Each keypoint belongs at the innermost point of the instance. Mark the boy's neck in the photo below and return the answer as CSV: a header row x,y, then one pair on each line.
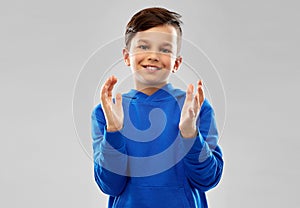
x,y
149,90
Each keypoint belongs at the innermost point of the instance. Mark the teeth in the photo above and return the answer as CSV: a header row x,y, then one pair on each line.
x,y
152,68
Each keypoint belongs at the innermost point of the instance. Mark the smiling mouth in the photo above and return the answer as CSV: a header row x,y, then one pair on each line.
x,y
151,68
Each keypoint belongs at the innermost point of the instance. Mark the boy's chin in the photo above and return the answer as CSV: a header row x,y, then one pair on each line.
x,y
154,84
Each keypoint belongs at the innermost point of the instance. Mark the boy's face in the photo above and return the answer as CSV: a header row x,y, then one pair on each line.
x,y
152,56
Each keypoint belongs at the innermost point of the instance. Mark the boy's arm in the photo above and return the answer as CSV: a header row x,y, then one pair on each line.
x,y
204,163
110,160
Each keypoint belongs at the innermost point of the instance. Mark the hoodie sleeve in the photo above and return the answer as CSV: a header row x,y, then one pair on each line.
x,y
203,162
110,159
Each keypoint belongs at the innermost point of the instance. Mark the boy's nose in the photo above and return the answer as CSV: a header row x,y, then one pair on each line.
x,y
153,56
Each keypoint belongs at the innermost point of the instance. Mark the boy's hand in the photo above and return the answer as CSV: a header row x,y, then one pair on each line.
x,y
113,112
190,111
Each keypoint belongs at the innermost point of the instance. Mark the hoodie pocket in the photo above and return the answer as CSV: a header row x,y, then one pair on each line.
x,y
152,197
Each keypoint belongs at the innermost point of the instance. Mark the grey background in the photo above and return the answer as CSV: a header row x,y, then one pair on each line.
x,y
44,44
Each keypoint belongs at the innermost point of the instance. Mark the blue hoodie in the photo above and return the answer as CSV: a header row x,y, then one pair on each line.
x,y
148,163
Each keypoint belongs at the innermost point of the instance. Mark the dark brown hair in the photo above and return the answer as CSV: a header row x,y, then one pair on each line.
x,y
151,17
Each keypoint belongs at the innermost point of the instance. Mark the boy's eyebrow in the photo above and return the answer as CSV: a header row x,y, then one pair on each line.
x,y
167,44
148,42
142,40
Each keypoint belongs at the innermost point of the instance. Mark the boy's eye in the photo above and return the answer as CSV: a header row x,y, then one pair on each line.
x,y
144,47
165,50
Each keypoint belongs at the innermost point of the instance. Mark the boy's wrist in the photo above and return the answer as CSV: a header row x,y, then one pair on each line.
x,y
189,134
113,128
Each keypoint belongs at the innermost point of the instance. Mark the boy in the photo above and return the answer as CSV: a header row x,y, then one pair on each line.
x,y
155,146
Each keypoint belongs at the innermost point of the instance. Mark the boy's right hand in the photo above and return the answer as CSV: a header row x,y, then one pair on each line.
x,y
113,112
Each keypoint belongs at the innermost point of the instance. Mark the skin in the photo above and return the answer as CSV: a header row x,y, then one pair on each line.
x,y
152,56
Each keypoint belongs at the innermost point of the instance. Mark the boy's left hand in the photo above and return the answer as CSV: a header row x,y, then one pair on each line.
x,y
190,111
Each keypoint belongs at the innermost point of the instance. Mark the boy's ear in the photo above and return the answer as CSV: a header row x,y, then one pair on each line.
x,y
177,64
126,56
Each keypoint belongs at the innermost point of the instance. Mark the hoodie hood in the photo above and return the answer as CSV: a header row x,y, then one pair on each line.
x,y
164,93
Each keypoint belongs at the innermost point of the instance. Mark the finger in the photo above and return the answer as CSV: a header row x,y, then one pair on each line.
x,y
118,100
189,93
111,83
106,91
200,82
104,88
103,92
107,83
200,92
196,103
108,87
200,87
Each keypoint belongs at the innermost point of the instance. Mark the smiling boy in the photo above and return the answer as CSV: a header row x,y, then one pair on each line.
x,y
155,146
